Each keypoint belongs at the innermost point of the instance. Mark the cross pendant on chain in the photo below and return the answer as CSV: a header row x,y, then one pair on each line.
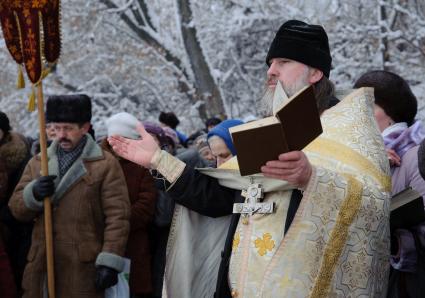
x,y
253,197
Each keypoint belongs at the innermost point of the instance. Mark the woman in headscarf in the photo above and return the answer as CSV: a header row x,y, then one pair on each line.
x,y
395,112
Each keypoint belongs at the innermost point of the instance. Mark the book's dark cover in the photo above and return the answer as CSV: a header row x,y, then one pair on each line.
x,y
408,215
298,123
300,120
257,146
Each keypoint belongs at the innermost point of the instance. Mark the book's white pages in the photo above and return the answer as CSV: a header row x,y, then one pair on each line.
x,y
279,97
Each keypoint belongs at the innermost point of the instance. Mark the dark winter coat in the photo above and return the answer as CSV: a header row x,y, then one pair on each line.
x,y
14,154
143,195
91,213
16,236
7,284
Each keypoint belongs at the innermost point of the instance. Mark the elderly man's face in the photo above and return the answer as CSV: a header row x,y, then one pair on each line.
x,y
292,74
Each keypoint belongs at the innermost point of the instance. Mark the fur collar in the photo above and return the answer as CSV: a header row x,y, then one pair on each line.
x,y
91,152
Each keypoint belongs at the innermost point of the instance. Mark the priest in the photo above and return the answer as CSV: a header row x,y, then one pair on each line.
x,y
321,228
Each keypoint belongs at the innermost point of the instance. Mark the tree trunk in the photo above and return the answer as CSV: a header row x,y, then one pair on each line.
x,y
205,86
384,33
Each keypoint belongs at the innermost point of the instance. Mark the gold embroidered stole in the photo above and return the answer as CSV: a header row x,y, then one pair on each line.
x,y
254,245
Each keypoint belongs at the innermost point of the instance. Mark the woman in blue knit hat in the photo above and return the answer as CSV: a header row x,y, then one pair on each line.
x,y
220,141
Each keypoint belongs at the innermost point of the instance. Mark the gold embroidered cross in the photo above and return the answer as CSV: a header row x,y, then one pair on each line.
x,y
264,244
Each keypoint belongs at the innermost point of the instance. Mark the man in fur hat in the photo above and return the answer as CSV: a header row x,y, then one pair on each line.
x,y
90,207
314,224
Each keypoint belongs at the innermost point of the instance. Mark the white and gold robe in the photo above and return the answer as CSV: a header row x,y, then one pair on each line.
x,y
338,242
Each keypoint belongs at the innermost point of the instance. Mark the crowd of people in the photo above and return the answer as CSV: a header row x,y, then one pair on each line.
x,y
71,140
115,197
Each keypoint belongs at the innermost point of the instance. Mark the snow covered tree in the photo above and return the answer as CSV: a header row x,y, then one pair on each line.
x,y
202,58
194,74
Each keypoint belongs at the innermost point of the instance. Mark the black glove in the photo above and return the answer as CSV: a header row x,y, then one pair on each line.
x,y
105,277
43,187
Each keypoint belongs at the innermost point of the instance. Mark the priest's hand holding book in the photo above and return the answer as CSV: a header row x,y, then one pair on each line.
x,y
273,145
293,167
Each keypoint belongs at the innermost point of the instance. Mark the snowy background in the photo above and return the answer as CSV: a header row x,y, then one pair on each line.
x,y
206,57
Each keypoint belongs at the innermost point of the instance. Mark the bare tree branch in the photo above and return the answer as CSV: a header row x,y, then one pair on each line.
x,y
146,37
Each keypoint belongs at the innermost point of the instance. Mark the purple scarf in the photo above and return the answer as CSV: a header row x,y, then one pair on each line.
x,y
402,139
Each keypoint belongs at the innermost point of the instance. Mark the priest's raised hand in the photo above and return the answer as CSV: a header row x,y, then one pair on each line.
x,y
138,151
293,167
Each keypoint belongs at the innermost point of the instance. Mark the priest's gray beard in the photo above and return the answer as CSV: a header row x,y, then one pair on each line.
x,y
268,107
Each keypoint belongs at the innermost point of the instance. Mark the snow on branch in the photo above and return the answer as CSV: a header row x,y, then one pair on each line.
x,y
122,8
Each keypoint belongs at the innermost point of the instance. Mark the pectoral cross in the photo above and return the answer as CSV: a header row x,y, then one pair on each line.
x,y
253,196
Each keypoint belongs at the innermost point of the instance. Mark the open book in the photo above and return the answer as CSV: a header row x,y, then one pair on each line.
x,y
407,209
296,123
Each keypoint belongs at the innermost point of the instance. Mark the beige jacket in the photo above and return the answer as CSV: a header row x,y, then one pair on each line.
x,y
91,212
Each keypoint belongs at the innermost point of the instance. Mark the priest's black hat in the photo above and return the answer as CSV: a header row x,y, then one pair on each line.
x,y
74,108
303,43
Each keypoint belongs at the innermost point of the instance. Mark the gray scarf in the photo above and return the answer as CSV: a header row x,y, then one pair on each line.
x,y
67,158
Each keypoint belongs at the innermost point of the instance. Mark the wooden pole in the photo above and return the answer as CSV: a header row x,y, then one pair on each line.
x,y
47,204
